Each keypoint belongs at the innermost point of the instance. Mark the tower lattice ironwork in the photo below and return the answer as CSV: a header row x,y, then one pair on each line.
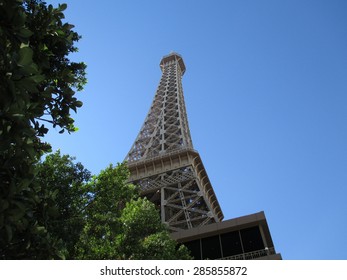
x,y
163,162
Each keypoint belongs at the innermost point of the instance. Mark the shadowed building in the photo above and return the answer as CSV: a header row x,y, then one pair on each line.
x,y
170,173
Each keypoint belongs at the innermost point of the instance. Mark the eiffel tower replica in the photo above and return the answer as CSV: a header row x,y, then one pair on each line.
x,y
163,162
170,173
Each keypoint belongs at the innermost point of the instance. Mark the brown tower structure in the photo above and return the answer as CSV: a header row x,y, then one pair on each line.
x,y
163,161
170,173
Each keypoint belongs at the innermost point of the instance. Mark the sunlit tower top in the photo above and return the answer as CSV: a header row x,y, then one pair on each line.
x,y
166,126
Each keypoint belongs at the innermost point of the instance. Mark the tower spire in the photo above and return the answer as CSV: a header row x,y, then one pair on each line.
x,y
165,128
162,160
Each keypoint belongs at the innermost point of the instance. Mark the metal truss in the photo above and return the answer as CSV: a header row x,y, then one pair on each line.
x,y
166,126
179,197
162,160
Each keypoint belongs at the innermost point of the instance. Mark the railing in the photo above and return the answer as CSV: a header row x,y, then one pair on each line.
x,y
157,183
252,255
166,154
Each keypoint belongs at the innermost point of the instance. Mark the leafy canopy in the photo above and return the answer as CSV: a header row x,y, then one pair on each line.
x,y
47,210
37,86
122,225
60,177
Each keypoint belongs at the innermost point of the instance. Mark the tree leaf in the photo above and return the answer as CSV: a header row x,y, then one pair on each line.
x,y
38,78
79,104
25,33
25,56
62,7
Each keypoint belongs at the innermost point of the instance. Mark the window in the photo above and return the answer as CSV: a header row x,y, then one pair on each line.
x,y
231,244
211,248
194,248
251,239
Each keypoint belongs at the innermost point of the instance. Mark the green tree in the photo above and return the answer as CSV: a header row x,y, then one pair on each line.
x,y
109,195
37,86
121,225
143,236
59,176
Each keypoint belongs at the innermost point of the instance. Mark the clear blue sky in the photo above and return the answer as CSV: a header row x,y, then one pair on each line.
x,y
266,97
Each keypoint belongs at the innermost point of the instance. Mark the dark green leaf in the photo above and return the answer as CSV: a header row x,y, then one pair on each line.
x,y
62,7
25,33
78,104
25,56
37,78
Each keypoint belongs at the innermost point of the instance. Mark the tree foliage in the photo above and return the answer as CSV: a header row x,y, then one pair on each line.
x,y
100,217
59,176
48,209
121,225
143,236
109,194
37,85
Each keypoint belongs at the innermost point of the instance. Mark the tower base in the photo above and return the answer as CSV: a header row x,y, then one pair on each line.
x,y
243,238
